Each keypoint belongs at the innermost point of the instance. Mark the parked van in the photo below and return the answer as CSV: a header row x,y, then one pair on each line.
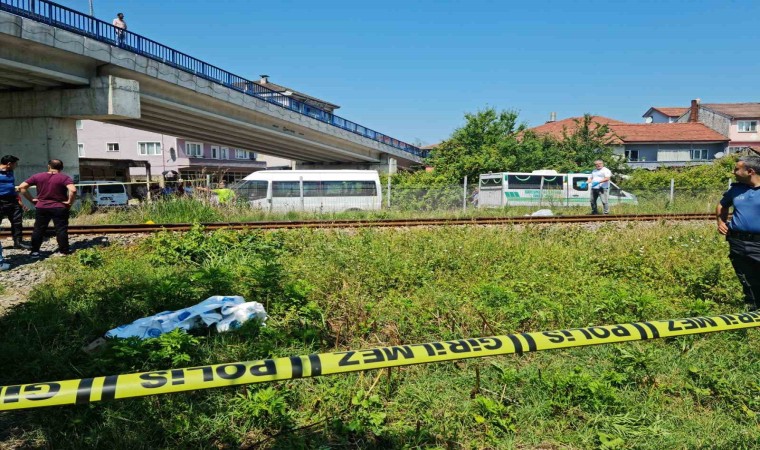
x,y
103,193
312,190
542,188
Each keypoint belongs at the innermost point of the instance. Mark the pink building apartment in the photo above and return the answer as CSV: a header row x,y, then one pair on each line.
x,y
737,121
101,145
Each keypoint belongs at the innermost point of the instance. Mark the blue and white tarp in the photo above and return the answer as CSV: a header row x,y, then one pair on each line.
x,y
226,313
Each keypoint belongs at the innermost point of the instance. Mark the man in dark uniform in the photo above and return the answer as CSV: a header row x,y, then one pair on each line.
x,y
743,232
10,203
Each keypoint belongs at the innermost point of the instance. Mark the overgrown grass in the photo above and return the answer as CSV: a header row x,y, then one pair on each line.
x,y
333,290
185,210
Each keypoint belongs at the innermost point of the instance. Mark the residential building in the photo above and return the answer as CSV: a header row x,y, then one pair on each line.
x,y
737,121
166,156
557,127
652,145
658,114
295,95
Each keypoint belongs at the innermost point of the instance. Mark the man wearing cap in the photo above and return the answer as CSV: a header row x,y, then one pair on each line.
x,y
743,231
10,203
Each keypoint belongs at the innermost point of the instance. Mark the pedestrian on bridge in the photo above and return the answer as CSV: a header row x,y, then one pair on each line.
x,y
55,195
10,203
743,231
120,26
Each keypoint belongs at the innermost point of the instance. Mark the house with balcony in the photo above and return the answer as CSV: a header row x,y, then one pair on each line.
x,y
651,145
737,121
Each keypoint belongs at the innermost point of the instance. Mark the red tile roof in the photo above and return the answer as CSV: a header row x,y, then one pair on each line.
x,y
670,111
666,132
735,110
639,132
555,128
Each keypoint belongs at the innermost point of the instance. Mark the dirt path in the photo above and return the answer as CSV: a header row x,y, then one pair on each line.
x,y
26,272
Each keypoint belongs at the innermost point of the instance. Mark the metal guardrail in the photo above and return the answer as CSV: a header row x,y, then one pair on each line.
x,y
77,22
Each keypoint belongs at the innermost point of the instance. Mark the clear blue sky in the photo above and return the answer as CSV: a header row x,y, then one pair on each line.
x,y
411,69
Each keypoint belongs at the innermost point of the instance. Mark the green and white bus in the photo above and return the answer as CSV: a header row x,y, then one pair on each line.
x,y
542,188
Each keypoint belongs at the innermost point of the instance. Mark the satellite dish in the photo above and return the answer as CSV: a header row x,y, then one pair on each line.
x,y
719,155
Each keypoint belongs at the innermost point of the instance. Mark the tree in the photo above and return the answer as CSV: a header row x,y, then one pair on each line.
x,y
588,142
487,142
492,141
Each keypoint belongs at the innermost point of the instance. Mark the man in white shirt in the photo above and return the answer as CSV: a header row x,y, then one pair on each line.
x,y
599,181
121,26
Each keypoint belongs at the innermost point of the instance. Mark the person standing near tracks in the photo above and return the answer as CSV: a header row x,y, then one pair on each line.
x,y
743,231
600,186
10,203
55,195
3,265
222,195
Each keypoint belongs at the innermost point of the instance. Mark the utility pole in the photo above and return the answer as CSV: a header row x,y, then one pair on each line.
x,y
92,12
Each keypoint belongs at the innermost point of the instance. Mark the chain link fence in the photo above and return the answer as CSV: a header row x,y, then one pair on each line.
x,y
411,201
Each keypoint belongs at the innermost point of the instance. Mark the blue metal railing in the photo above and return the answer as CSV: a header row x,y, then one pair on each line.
x,y
71,20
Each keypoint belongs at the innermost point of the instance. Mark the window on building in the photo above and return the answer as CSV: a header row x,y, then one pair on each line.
x,y
149,148
241,154
735,149
225,153
80,150
747,126
80,125
700,154
215,152
631,155
194,149
113,147
673,155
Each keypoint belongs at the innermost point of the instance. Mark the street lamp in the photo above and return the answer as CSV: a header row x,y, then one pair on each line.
x,y
92,13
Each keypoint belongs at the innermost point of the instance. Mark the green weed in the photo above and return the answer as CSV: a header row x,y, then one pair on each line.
x,y
336,290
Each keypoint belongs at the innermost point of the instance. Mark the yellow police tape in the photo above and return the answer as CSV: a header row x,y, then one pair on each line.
x,y
112,387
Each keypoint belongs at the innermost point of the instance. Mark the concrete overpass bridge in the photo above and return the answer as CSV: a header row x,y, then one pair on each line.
x,y
58,65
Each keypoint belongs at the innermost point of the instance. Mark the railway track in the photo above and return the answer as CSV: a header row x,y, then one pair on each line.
x,y
151,228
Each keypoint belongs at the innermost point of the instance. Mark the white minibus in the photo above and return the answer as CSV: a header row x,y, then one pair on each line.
x,y
312,190
542,188
103,193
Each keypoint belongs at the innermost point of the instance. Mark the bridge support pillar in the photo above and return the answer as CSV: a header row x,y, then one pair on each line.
x,y
38,126
36,141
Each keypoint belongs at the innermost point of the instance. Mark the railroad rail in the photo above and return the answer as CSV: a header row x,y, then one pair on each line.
x,y
152,228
